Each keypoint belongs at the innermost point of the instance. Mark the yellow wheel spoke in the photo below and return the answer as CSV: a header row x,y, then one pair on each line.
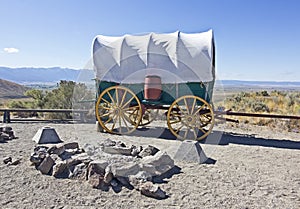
x,y
193,106
195,134
110,96
201,129
199,109
186,105
109,119
120,124
107,102
132,107
117,96
128,102
106,114
106,108
123,97
114,124
125,123
178,129
176,121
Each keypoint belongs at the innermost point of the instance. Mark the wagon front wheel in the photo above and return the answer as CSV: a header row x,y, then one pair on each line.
x,y
190,117
118,110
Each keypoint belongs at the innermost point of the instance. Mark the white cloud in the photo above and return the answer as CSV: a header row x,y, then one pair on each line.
x,y
11,50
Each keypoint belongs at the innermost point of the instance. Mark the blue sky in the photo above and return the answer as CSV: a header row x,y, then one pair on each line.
x,y
255,39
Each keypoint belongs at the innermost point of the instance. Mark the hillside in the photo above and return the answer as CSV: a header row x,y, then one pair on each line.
x,y
10,90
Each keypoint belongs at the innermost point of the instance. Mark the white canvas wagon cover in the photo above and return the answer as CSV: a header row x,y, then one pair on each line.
x,y
175,57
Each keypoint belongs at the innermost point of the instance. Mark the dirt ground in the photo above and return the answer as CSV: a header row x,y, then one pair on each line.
x,y
255,167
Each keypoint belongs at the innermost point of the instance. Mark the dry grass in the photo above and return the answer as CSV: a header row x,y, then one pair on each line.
x,y
273,102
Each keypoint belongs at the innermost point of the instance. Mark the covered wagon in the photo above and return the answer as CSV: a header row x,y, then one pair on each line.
x,y
137,75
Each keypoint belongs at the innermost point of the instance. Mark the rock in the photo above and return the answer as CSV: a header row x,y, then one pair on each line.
x,y
4,137
61,170
120,144
71,145
136,150
96,180
124,169
108,175
108,143
16,162
89,149
158,164
97,166
124,181
46,165
55,157
7,160
150,190
142,176
79,172
6,129
117,150
59,150
148,151
83,157
35,159
114,183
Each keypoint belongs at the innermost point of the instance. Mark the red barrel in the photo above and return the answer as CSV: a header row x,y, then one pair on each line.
x,y
152,87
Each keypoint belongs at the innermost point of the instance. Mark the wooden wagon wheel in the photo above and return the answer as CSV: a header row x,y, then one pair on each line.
x,y
190,117
149,115
118,110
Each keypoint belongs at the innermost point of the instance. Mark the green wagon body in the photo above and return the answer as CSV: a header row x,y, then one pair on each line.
x,y
170,92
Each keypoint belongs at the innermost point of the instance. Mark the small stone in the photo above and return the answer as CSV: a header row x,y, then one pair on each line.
x,y
71,145
16,162
7,160
148,151
150,190
46,165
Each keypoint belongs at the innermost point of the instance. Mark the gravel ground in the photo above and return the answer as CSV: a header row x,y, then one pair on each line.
x,y
256,167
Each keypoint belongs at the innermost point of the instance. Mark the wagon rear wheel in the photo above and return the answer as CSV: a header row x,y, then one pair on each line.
x,y
190,117
118,110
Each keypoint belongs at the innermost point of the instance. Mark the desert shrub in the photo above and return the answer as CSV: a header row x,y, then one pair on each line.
x,y
259,107
63,97
274,102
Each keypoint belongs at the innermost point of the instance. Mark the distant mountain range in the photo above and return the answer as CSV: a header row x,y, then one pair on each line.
x,y
260,83
44,75
27,76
